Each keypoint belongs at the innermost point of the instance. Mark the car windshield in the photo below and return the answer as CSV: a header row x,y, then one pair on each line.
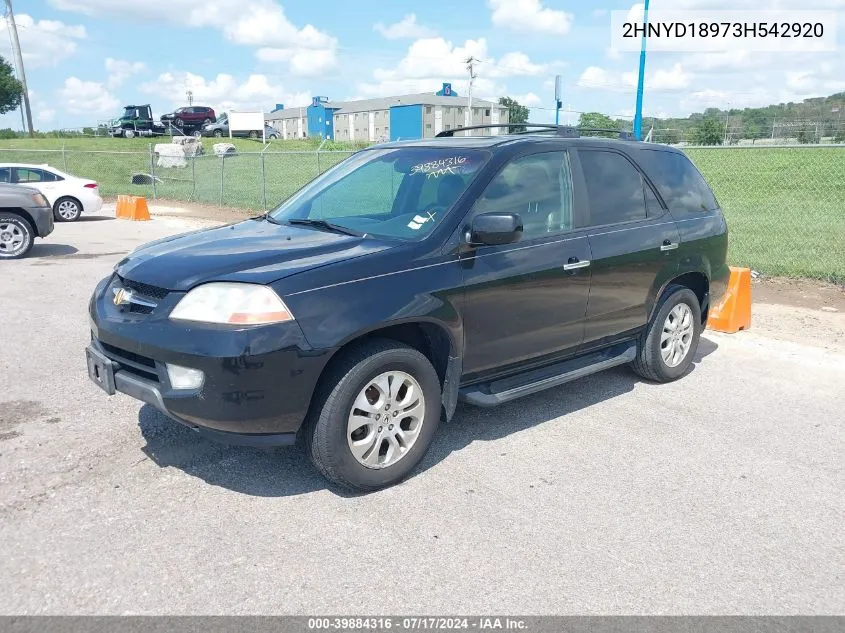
x,y
398,193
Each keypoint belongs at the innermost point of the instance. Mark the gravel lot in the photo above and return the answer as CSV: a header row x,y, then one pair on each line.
x,y
718,494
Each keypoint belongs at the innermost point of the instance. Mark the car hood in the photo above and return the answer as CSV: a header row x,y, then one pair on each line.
x,y
253,251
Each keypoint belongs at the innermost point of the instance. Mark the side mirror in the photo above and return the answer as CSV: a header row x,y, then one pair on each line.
x,y
492,229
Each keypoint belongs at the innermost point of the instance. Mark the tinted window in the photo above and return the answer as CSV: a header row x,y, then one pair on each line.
x,y
679,182
5,174
538,187
30,175
402,193
614,187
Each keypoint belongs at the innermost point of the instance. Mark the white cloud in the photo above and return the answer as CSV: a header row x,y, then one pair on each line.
x,y
224,92
529,16
406,28
43,42
45,115
257,23
662,80
529,99
120,70
431,61
86,97
303,63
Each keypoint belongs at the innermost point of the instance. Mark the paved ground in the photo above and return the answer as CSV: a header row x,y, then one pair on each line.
x,y
718,494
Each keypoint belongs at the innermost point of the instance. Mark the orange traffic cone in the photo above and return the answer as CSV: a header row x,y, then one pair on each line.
x,y
733,312
132,208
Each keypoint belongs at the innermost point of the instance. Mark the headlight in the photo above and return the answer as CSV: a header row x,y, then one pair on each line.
x,y
233,304
40,200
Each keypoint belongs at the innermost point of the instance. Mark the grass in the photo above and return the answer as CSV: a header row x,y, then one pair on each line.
x,y
785,206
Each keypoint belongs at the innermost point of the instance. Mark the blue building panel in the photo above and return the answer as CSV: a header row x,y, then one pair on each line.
x,y
320,120
406,122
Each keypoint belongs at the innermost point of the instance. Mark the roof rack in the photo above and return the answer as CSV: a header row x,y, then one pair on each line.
x,y
566,131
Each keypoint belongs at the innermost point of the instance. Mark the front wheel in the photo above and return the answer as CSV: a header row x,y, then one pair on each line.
x,y
667,348
129,133
16,236
66,210
218,133
374,416
253,134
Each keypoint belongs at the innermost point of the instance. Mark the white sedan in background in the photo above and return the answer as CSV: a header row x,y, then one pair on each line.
x,y
68,195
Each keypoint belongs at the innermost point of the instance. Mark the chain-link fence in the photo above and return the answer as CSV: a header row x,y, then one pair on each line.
x,y
785,205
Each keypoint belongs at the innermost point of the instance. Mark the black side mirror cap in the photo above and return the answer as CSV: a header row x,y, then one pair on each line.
x,y
492,229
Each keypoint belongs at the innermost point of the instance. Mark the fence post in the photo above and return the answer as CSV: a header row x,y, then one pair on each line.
x,y
64,156
153,170
263,184
193,178
222,168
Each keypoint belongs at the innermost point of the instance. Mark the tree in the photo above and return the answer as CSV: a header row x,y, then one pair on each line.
x,y
600,121
516,113
708,132
11,90
806,135
669,136
751,130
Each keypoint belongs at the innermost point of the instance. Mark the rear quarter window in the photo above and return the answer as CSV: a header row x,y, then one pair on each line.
x,y
678,181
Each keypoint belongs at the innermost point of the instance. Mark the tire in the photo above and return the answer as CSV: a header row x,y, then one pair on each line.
x,y
179,123
197,134
218,133
328,435
253,134
16,236
129,133
67,209
272,137
651,363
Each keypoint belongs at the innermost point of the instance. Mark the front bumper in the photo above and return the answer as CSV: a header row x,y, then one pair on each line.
x,y
258,380
43,218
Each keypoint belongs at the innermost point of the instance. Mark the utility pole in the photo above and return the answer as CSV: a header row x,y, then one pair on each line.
x,y
16,46
190,96
468,118
638,115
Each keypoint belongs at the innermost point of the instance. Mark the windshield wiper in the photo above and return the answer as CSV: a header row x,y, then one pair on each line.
x,y
325,225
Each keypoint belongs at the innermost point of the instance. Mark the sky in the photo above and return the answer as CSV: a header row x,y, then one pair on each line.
x,y
86,59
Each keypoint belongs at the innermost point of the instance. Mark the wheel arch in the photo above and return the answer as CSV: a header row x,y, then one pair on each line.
x,y
68,197
24,214
428,336
696,281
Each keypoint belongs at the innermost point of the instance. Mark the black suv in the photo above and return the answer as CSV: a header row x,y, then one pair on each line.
x,y
408,277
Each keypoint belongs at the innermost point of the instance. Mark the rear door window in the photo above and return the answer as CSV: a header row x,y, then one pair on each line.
x,y
615,189
24,174
678,181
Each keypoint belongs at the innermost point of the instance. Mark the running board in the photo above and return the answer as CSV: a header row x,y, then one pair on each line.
x,y
505,389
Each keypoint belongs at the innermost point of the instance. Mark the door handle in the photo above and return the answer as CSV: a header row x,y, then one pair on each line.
x,y
574,264
668,246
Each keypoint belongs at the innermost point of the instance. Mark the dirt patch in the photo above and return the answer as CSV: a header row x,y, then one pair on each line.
x,y
800,293
15,413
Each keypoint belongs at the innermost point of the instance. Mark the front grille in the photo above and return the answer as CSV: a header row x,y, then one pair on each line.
x,y
146,290
130,361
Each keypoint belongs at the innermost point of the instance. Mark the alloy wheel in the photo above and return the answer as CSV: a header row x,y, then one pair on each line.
x,y
676,337
12,239
386,419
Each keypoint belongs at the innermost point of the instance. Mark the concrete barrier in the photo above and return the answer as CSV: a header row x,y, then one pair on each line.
x,y
132,208
733,312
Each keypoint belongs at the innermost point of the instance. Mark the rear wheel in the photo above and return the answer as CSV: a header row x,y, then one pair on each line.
x,y
178,123
253,134
16,236
67,210
375,416
667,348
129,133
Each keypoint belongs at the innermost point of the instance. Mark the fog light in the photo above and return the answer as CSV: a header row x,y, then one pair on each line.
x,y
184,377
